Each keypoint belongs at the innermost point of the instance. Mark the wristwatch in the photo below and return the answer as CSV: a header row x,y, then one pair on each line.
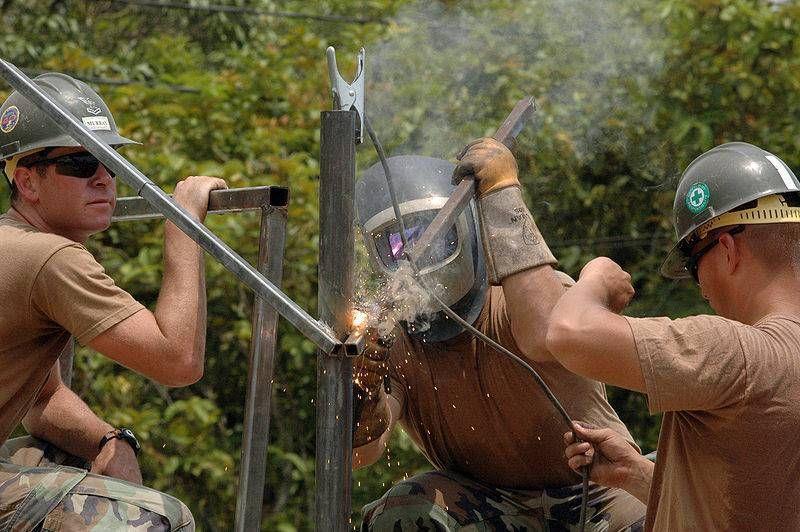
x,y
124,434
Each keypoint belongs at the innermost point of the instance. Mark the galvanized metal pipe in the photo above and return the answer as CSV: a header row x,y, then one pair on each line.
x,y
315,331
255,438
335,374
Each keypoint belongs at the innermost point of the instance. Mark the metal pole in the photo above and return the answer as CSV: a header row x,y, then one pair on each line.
x,y
315,331
335,373
258,401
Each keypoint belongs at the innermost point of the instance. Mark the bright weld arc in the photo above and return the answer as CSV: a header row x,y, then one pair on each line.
x,y
468,326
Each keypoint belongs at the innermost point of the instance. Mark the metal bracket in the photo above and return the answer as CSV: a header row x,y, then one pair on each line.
x,y
347,96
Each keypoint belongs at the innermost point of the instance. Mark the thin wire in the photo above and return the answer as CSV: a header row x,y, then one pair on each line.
x,y
468,326
249,11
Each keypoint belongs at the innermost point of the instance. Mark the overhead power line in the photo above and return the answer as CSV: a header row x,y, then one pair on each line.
x,y
32,72
249,11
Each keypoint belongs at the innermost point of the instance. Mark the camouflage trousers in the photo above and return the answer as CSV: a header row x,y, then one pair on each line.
x,y
443,501
44,488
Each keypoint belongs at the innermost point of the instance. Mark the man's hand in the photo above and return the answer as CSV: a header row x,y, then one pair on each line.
x,y
370,380
490,162
611,283
117,459
614,462
192,193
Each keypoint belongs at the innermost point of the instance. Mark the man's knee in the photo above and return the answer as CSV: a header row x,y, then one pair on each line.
x,y
97,500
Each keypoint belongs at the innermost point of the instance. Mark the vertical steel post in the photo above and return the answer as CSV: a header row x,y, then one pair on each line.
x,y
255,438
335,372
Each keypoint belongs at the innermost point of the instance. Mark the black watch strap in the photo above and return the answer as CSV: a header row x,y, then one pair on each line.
x,y
124,434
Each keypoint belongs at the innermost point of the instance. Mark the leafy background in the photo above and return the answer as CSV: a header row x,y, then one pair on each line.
x,y
628,92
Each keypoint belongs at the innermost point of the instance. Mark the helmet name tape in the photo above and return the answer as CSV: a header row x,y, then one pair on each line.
x,y
9,119
697,197
97,123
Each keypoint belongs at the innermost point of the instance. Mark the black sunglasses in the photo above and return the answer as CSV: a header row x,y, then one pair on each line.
x,y
81,164
693,262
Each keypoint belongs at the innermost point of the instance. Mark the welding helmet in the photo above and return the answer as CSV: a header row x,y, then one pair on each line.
x,y
25,129
423,185
733,184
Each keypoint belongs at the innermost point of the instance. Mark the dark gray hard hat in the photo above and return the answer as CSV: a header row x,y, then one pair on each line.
x,y
423,185
717,182
24,127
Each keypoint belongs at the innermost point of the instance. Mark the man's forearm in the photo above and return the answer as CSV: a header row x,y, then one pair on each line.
x,y
639,480
64,420
181,307
591,340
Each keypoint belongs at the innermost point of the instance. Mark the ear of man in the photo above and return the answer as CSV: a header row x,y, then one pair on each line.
x,y
27,183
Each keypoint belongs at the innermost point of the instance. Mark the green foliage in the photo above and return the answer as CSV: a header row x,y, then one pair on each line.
x,y
627,93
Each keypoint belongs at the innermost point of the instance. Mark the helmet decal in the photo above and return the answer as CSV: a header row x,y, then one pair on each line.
x,y
9,119
697,198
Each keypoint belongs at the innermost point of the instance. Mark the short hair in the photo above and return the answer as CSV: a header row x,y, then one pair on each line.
x,y
775,245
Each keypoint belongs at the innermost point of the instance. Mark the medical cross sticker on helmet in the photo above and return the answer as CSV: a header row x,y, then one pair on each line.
x,y
697,197
9,119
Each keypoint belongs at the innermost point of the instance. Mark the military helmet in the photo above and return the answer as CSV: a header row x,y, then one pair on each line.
x,y
732,184
455,262
24,128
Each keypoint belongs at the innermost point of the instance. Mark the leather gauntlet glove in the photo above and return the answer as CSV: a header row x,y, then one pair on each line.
x,y
511,240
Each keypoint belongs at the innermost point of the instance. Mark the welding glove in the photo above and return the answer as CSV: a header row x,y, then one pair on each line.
x,y
511,240
370,388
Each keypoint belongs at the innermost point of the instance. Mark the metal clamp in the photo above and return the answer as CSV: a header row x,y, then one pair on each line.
x,y
348,96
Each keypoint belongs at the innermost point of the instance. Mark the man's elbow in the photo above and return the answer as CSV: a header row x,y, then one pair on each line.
x,y
186,369
564,340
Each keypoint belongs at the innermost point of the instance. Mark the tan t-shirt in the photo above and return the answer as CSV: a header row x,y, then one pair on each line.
x,y
728,455
51,287
473,410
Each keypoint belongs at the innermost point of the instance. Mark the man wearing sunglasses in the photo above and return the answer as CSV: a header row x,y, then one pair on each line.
x,y
728,385
52,289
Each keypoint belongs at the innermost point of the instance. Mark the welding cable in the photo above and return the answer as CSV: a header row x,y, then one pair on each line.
x,y
392,192
468,326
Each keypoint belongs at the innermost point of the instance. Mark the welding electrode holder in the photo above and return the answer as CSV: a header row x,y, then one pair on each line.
x,y
348,96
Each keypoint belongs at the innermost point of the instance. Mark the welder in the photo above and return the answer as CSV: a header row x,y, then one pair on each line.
x,y
728,384
492,437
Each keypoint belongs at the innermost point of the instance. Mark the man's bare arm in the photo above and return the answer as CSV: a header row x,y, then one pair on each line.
x,y
60,417
168,345
530,298
371,452
587,334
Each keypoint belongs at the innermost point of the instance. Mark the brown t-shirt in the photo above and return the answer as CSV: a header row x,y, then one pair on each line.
x,y
474,411
51,288
730,393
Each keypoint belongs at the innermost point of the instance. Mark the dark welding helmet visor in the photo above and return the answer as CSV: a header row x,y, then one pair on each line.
x,y
389,244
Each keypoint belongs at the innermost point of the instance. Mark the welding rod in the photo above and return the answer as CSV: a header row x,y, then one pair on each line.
x,y
312,329
465,190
